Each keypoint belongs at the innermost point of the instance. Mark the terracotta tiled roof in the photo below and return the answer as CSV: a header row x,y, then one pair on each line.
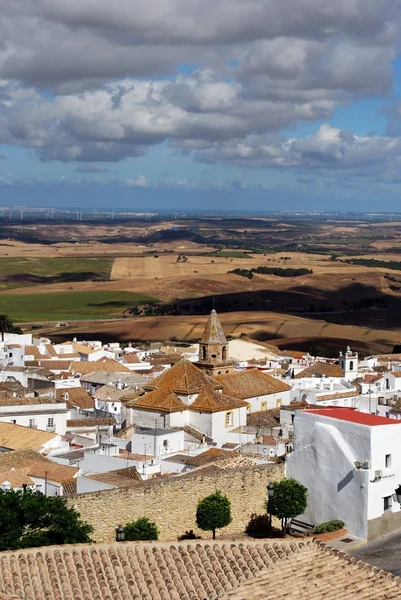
x,y
17,437
82,349
55,365
265,419
183,378
133,456
91,422
77,396
9,400
209,400
157,400
111,366
53,471
349,394
186,379
131,359
50,350
319,369
213,333
16,477
20,458
35,465
69,488
119,478
32,351
198,570
395,373
209,456
250,384
109,393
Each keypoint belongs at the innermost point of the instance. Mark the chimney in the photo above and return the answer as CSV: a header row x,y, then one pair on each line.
x,y
119,384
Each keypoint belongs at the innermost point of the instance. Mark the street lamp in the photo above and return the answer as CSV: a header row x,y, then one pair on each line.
x,y
398,494
120,534
270,495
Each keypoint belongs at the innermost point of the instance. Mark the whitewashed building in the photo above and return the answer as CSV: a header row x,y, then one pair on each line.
x,y
351,464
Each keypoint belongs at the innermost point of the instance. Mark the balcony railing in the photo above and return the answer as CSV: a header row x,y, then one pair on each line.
x,y
51,428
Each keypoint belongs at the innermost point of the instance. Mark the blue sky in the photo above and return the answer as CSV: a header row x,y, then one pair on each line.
x,y
222,105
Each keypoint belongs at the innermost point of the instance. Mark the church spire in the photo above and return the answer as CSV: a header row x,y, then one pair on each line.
x,y
213,333
213,348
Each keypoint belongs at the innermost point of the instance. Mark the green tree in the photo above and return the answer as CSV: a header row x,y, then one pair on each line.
x,y
290,500
213,512
29,519
5,325
141,529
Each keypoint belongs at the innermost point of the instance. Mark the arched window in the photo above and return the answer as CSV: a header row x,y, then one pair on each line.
x,y
351,365
203,352
224,353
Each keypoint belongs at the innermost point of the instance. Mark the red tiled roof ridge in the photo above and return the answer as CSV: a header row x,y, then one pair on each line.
x,y
185,372
242,568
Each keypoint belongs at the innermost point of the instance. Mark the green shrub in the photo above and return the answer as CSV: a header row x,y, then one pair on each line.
x,y
213,512
329,526
142,529
189,535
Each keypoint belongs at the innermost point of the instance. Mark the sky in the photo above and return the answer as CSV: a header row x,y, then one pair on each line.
x,y
201,104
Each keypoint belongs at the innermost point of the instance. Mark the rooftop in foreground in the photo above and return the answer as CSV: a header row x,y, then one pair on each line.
x,y
298,570
353,416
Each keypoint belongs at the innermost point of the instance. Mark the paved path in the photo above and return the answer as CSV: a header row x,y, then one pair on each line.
x,y
384,553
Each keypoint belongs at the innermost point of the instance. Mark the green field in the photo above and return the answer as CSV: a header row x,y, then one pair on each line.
x,y
67,306
21,272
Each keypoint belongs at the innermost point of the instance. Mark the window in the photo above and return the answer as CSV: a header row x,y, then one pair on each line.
x,y
224,353
263,406
248,409
229,419
203,352
387,384
165,443
50,422
32,423
387,502
278,402
351,365
388,461
13,421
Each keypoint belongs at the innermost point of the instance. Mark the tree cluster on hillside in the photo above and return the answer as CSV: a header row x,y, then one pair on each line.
x,y
371,262
277,271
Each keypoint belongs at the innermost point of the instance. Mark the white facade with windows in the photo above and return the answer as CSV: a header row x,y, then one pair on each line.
x,y
50,417
351,464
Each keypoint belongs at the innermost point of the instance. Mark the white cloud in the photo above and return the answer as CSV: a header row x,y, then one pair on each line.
x,y
94,81
139,182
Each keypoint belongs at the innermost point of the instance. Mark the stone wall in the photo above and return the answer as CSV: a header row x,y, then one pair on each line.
x,y
172,502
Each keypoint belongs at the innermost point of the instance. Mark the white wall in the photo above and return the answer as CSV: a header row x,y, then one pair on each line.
x,y
272,400
325,450
40,413
84,485
141,442
221,433
385,439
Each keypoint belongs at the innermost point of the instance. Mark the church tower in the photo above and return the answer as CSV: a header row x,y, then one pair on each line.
x,y
213,348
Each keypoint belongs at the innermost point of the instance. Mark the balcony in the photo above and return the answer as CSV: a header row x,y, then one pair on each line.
x,y
51,428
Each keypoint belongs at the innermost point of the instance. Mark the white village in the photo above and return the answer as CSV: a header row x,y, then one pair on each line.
x,y
81,417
